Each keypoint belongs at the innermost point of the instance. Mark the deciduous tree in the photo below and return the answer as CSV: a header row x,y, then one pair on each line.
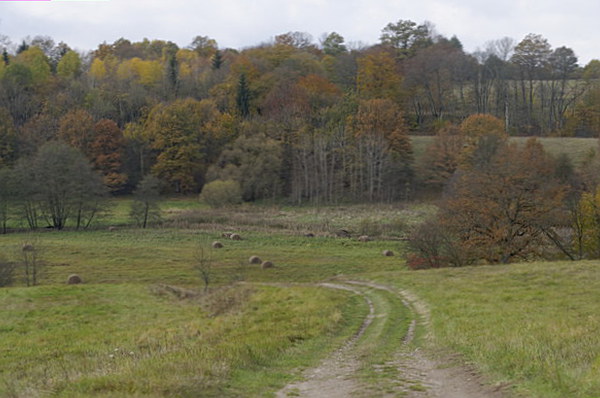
x,y
76,128
106,151
187,136
145,208
383,144
8,139
62,185
505,211
254,162
69,66
378,77
333,44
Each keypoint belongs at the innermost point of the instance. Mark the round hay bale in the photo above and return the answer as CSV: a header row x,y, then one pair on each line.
x,y
267,264
388,253
28,247
309,235
363,238
235,237
254,260
74,280
217,245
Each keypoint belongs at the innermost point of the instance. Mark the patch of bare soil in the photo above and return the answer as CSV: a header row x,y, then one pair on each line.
x,y
422,376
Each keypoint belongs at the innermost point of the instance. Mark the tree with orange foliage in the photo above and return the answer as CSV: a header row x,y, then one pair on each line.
x,y
507,209
384,151
76,128
442,157
320,91
106,152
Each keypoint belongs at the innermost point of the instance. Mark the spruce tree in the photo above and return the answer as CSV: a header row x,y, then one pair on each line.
x,y
217,60
243,96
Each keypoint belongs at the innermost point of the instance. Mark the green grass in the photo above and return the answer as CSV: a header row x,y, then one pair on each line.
x,y
167,256
122,340
380,344
534,325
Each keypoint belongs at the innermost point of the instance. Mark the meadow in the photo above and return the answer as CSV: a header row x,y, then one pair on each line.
x,y
576,148
141,324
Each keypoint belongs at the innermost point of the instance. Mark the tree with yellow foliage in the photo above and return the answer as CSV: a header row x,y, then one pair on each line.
x,y
378,76
187,136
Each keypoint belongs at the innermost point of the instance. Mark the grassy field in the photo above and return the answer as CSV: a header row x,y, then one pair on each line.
x,y
576,148
535,325
141,326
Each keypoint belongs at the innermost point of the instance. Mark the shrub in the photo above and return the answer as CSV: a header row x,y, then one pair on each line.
x,y
221,193
433,243
415,262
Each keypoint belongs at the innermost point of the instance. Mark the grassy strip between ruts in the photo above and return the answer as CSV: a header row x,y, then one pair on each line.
x,y
381,342
128,340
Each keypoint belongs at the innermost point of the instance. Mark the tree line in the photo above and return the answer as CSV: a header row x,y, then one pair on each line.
x,y
317,122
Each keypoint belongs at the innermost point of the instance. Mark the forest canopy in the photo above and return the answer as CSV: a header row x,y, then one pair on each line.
x,y
311,121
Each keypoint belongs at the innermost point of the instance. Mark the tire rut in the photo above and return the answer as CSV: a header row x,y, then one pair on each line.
x,y
333,377
428,377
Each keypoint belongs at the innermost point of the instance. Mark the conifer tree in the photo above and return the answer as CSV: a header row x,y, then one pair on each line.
x,y
243,96
217,60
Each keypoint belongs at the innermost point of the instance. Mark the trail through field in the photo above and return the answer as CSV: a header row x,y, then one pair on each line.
x,y
407,372
334,376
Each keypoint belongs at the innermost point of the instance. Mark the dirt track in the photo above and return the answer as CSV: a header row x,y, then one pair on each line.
x,y
418,375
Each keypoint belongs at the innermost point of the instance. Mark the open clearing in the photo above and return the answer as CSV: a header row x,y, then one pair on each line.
x,y
141,326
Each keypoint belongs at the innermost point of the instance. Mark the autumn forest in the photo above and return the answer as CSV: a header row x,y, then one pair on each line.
x,y
311,122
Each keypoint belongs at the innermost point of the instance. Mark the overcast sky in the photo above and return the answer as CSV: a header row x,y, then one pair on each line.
x,y
83,24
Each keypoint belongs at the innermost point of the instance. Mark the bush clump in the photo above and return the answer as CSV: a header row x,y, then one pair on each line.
x,y
221,193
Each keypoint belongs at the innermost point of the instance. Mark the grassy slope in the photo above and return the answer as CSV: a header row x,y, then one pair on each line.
x,y
535,324
64,335
576,148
